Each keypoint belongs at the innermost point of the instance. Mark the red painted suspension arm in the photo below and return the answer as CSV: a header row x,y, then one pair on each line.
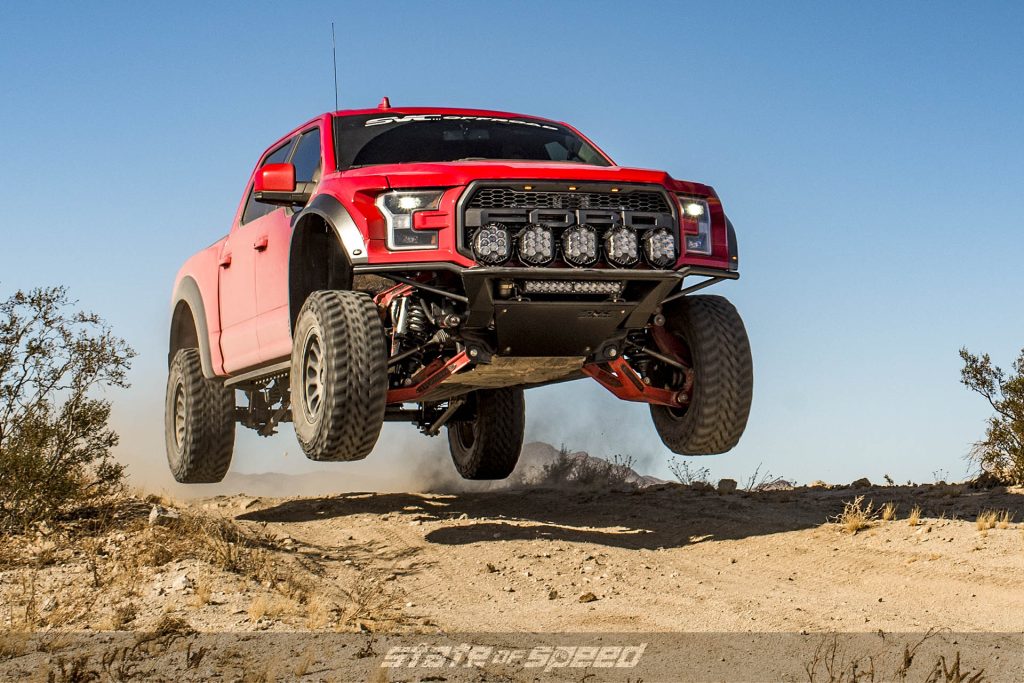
x,y
428,378
619,378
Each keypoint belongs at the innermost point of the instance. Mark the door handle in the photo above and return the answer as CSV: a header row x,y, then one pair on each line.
x,y
261,243
225,261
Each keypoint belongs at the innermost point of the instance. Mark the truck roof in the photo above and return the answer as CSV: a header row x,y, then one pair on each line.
x,y
436,110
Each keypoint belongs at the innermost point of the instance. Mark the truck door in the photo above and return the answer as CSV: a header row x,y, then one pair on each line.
x,y
238,310
273,325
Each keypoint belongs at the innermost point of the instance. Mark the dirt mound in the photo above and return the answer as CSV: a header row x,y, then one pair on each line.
x,y
664,558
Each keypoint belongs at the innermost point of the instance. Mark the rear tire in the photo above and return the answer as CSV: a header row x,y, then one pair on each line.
x,y
488,446
723,382
199,422
339,377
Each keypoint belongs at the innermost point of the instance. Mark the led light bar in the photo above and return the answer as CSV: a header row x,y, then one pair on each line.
x,y
607,287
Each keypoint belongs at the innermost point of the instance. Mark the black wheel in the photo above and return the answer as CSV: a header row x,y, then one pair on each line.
x,y
199,422
723,378
339,377
487,443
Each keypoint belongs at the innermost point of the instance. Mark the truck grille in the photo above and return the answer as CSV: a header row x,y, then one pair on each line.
x,y
558,208
508,198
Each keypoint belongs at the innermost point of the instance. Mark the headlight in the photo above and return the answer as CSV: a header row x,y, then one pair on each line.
x,y
579,246
696,225
492,244
398,209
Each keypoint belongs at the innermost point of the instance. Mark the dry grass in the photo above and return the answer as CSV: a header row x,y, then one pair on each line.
x,y
318,611
258,608
889,511
204,592
834,662
264,607
1005,519
372,603
119,553
856,515
915,516
987,519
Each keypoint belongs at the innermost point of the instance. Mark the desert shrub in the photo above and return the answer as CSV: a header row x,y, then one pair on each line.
x,y
579,469
761,481
1001,452
600,473
686,475
55,443
915,516
559,470
856,515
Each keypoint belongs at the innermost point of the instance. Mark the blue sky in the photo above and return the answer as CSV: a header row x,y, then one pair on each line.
x,y
869,155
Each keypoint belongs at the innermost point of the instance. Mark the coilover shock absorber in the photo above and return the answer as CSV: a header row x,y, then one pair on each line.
x,y
417,324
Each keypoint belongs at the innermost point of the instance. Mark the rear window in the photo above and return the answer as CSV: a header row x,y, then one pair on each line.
x,y
373,139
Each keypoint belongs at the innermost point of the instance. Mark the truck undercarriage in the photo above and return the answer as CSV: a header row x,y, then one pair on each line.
x,y
453,331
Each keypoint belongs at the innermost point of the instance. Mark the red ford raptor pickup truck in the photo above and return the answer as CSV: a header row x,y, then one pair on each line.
x,y
427,265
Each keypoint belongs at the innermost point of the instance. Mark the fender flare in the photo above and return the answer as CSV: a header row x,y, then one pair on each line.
x,y
188,292
734,249
347,236
337,216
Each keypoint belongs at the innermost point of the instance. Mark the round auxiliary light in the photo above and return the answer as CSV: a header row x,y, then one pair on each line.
x,y
536,245
579,246
621,247
659,248
492,244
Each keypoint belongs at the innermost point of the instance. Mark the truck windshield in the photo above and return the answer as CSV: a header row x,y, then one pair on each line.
x,y
367,140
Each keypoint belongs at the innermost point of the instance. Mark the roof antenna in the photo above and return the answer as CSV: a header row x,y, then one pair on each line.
x,y
334,53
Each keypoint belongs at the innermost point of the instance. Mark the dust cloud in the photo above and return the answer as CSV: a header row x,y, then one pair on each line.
x,y
577,415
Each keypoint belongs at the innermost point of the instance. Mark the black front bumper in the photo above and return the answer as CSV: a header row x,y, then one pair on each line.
x,y
555,325
559,325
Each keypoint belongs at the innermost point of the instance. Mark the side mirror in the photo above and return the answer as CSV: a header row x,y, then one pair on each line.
x,y
275,184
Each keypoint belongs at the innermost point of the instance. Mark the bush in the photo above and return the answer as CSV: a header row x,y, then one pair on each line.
x,y
584,471
55,445
686,475
1001,452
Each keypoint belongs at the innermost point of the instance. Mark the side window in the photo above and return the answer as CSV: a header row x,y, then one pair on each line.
x,y
278,156
253,208
306,158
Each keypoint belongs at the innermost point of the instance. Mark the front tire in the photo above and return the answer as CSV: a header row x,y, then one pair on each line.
x,y
199,422
723,382
487,445
339,378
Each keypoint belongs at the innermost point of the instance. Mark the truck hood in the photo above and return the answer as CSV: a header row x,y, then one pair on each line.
x,y
464,172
